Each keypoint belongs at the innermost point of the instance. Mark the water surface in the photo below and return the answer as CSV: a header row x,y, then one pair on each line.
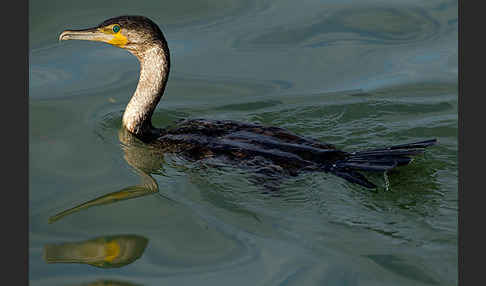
x,y
356,74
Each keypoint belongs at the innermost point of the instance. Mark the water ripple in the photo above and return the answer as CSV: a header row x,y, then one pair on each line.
x,y
356,25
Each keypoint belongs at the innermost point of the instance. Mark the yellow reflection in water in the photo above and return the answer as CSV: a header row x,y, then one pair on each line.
x,y
105,251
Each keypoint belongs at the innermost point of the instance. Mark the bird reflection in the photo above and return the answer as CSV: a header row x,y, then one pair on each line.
x,y
104,252
143,159
109,283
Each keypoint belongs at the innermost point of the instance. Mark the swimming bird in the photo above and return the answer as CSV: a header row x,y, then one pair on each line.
x,y
265,149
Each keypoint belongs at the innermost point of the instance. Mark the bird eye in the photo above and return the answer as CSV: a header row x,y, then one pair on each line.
x,y
116,28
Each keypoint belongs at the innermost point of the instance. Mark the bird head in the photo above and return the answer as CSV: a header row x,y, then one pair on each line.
x,y
133,33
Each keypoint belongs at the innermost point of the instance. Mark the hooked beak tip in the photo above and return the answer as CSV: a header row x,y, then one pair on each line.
x,y
64,35
61,36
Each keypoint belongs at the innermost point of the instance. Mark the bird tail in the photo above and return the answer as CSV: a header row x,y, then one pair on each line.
x,y
378,160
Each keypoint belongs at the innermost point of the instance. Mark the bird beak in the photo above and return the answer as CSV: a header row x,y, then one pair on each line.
x,y
91,34
95,34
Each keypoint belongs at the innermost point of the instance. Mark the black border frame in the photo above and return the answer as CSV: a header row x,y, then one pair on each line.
x,y
15,144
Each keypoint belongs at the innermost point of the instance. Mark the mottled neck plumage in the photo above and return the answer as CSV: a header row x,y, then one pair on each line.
x,y
154,72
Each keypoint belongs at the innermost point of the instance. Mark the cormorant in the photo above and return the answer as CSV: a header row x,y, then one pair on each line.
x,y
268,149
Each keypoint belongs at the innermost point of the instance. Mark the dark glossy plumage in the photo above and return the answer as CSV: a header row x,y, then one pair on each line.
x,y
276,151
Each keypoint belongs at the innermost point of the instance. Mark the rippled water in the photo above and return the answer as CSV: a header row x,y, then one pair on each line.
x,y
353,73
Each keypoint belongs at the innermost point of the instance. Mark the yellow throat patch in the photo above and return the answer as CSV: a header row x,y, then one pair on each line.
x,y
118,40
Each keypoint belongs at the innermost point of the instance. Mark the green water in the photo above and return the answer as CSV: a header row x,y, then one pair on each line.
x,y
354,73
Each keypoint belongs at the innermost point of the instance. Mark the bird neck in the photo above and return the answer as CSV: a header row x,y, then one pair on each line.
x,y
154,72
